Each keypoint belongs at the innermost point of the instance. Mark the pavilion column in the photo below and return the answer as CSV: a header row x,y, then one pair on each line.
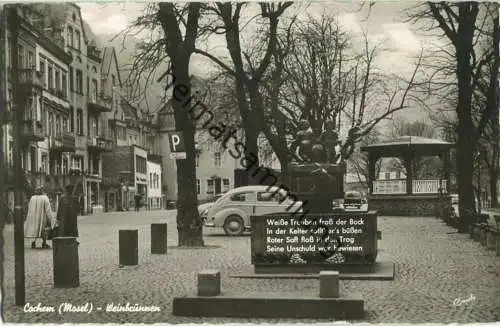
x,y
408,159
372,160
447,168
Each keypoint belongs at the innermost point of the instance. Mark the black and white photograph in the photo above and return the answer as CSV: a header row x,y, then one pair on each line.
x,y
250,162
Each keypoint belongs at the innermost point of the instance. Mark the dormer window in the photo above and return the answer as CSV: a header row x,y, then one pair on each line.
x,y
70,37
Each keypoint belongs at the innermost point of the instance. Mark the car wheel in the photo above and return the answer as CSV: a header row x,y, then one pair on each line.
x,y
234,225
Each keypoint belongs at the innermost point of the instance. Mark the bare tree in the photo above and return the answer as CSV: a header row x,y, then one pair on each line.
x,y
456,78
328,80
174,29
248,69
358,162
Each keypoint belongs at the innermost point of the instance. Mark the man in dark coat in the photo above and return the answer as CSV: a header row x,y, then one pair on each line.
x,y
67,213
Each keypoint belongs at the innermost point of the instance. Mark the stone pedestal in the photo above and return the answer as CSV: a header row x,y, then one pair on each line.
x,y
65,261
476,232
128,247
317,185
159,238
329,284
491,239
482,235
209,283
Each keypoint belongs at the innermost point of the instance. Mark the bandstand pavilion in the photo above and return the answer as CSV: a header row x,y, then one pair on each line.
x,y
409,196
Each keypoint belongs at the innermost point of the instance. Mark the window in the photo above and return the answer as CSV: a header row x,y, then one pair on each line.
x,y
78,40
44,163
198,186
70,37
79,121
58,125
197,160
140,164
225,185
387,175
79,81
51,124
65,166
151,180
72,119
42,67
58,80
51,77
65,85
31,60
20,62
268,196
9,47
210,186
11,152
65,125
239,197
71,79
217,159
94,89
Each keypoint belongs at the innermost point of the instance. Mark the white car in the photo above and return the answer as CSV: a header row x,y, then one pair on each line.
x,y
203,208
233,210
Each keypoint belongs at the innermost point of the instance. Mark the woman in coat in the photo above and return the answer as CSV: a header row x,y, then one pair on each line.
x,y
67,213
39,218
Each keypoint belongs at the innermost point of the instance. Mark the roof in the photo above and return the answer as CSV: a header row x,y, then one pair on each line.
x,y
109,55
408,142
91,37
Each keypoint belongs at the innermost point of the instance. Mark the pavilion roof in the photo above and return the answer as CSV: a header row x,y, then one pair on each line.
x,y
408,142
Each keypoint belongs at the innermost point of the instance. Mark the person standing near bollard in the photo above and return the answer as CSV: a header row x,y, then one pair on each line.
x,y
67,213
39,218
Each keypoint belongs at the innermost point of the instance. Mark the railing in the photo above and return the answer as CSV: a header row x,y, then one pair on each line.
x,y
81,142
99,103
428,186
64,141
33,130
100,143
393,187
31,77
382,187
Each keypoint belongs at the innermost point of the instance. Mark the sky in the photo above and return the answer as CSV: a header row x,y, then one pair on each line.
x,y
384,26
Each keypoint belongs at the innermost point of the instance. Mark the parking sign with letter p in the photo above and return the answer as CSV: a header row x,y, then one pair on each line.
x,y
177,150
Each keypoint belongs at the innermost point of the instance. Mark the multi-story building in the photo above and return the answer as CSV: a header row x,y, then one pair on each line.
x,y
65,124
135,143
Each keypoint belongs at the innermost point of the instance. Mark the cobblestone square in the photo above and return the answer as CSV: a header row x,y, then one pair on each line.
x,y
435,266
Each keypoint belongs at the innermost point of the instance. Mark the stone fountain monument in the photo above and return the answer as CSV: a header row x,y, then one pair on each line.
x,y
316,238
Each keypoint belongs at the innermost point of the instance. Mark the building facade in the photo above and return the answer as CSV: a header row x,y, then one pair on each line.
x,y
154,191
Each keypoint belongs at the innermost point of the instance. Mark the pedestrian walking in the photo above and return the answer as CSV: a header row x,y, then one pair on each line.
x,y
39,220
67,213
137,201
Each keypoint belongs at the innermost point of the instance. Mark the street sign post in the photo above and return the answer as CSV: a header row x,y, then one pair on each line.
x,y
177,149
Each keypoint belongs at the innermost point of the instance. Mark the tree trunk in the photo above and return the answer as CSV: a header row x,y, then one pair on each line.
x,y
493,186
465,143
252,149
189,225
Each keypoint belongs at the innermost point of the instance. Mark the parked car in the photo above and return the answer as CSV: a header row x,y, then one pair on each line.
x,y
353,201
203,208
233,210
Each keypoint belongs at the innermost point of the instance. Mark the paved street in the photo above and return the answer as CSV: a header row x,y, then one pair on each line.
x,y
433,267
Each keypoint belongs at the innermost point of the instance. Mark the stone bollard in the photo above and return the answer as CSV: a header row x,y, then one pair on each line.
x,y
128,247
491,239
65,261
159,238
329,284
209,283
